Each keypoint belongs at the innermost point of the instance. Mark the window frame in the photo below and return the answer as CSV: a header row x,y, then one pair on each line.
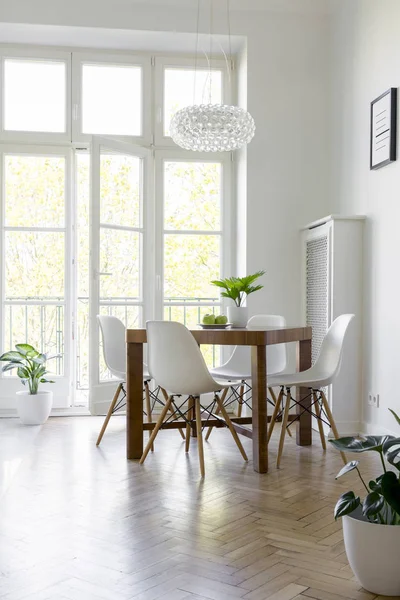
x,y
226,221
161,64
159,148
109,59
35,54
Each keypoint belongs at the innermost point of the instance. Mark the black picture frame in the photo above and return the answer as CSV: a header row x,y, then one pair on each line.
x,y
383,129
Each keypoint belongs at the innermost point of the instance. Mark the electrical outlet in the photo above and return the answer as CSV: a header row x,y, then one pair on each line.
x,y
373,400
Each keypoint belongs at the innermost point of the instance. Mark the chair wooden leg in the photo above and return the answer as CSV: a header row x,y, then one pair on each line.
x,y
231,428
148,407
275,414
164,393
109,413
320,425
223,396
331,421
274,400
240,401
156,430
199,436
284,425
190,417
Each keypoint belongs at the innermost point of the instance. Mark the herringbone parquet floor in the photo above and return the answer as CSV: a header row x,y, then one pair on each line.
x,y
81,523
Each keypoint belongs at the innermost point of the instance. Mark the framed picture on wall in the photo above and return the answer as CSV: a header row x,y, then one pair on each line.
x,y
383,129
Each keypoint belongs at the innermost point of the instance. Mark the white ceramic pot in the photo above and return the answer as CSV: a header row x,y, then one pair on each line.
x,y
373,553
238,315
34,409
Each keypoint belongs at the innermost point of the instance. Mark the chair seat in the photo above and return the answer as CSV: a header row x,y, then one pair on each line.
x,y
226,374
119,376
312,378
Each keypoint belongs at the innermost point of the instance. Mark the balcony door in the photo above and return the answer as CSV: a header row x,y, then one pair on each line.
x,y
119,188
36,261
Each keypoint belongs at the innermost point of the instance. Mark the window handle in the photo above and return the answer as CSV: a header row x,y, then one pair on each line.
x,y
96,274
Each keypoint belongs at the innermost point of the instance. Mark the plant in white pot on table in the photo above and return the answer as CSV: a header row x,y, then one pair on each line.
x,y
237,289
33,406
371,527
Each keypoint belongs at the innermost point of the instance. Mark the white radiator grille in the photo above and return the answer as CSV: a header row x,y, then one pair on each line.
x,y
317,291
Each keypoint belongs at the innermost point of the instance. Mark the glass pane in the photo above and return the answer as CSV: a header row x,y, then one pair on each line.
x,y
82,230
131,318
192,192
183,87
190,263
112,99
120,257
34,95
40,326
34,191
191,316
34,264
120,181
82,346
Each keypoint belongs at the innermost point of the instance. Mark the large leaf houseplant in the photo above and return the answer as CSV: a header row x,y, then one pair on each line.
x,y
371,525
33,405
237,289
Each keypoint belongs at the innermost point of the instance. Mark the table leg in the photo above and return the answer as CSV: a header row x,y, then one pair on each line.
x,y
134,401
259,395
303,431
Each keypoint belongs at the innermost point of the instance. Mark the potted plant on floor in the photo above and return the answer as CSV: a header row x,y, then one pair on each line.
x,y
237,289
33,406
371,527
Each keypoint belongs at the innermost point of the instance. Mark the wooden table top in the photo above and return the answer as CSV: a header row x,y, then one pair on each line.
x,y
236,336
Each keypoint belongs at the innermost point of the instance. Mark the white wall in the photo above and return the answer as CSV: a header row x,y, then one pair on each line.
x,y
366,53
287,94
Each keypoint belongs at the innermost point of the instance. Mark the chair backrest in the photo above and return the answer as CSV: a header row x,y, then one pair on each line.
x,y
240,359
114,344
276,353
175,360
330,356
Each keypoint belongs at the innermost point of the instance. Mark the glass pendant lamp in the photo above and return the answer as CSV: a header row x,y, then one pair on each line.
x,y
212,127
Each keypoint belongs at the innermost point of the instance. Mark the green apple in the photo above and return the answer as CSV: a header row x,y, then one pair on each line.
x,y
221,320
209,319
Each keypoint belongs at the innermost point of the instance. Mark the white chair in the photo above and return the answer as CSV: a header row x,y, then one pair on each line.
x,y
177,365
114,351
320,375
238,367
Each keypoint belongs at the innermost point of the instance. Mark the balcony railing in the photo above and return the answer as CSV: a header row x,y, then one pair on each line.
x,y
38,321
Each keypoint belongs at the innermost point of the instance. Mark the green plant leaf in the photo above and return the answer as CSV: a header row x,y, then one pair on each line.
x,y
11,365
27,350
391,490
12,355
365,444
393,413
46,381
40,359
23,373
375,486
346,504
237,287
347,468
372,504
391,450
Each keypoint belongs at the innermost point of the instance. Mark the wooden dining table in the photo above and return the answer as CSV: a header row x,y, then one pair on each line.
x,y
258,339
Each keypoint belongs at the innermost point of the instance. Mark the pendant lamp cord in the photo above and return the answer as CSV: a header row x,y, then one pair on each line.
x,y
196,52
211,34
228,16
